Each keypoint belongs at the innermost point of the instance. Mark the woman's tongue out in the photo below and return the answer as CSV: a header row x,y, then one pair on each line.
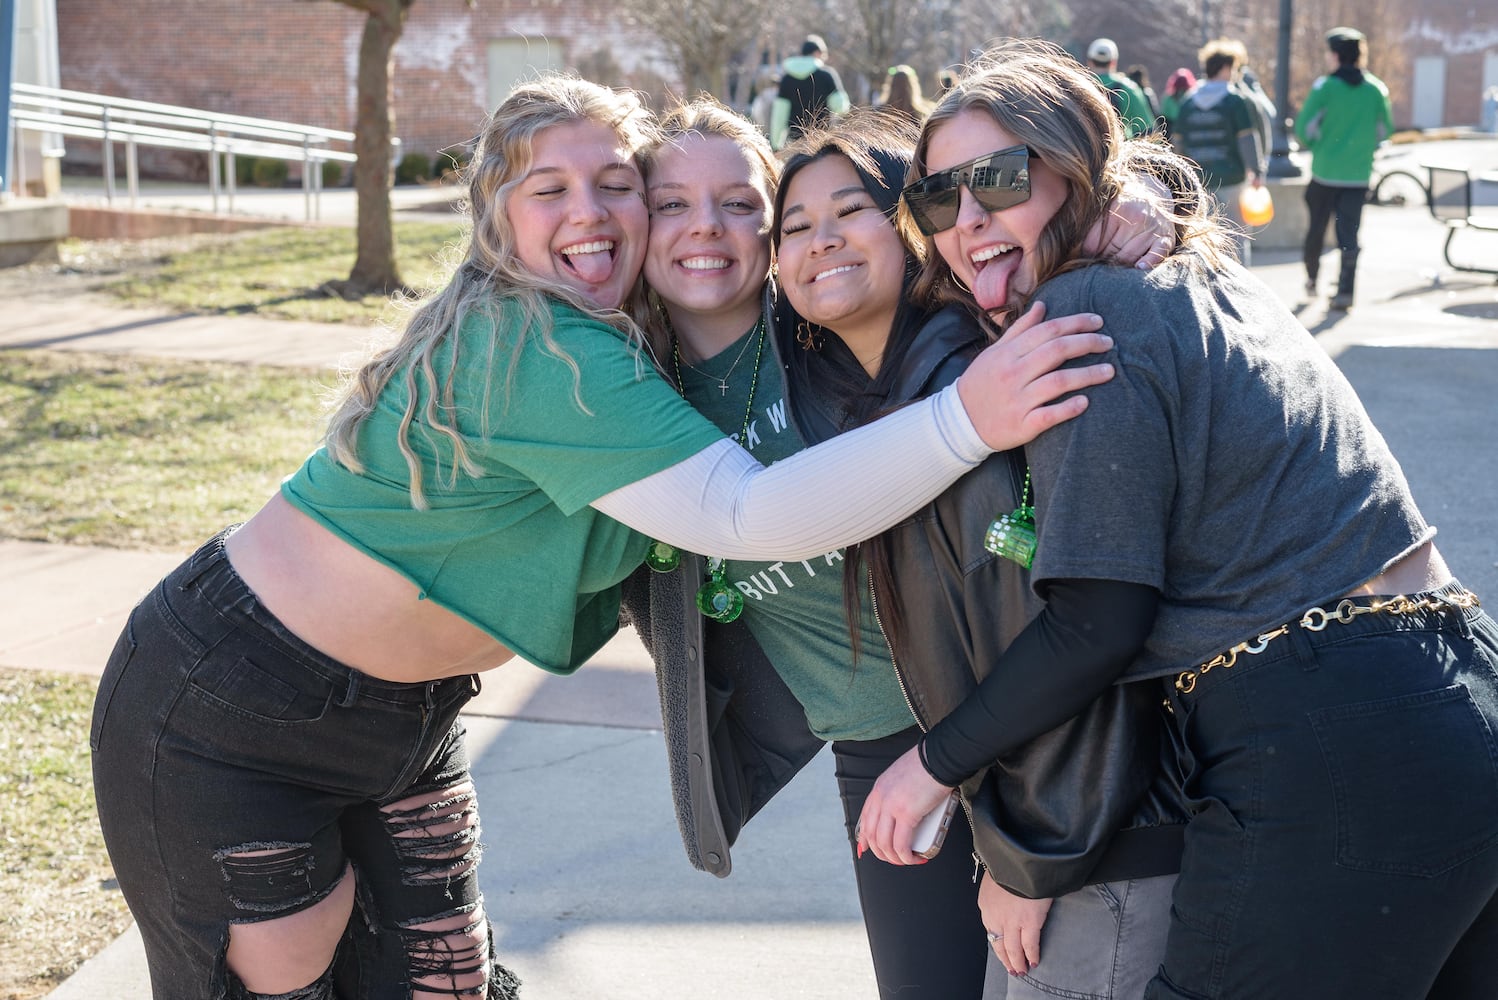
x,y
994,275
592,262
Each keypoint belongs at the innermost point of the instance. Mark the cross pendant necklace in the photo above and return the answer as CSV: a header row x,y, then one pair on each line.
x,y
722,379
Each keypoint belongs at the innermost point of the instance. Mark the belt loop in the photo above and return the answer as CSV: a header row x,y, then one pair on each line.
x,y
200,563
1305,653
1463,620
1459,606
352,691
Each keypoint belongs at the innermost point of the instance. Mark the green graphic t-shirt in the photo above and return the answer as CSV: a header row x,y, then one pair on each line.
x,y
795,609
511,544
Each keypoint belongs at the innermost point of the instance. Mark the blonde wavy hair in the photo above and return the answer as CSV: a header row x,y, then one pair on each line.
x,y
1043,97
488,275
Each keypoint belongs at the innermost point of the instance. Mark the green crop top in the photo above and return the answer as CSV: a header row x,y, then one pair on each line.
x,y
514,549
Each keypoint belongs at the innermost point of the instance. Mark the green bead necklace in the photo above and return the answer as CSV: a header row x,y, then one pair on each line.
x,y
715,598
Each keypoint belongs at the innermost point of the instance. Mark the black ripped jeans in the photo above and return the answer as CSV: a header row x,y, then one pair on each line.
x,y
238,772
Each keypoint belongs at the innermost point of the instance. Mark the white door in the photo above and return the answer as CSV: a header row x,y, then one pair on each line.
x,y
1428,102
518,58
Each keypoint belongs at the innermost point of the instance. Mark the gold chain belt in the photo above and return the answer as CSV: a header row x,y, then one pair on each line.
x,y
1317,619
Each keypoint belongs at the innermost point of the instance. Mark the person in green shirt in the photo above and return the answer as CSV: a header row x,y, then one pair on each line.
x,y
1342,121
279,763
1128,100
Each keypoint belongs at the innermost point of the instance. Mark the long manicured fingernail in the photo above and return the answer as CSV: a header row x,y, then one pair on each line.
x,y
860,852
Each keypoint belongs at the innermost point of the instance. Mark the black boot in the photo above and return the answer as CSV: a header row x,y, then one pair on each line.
x,y
1345,279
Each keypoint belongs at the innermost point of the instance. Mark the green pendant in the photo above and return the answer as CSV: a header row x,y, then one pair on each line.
x,y
716,599
662,557
1012,536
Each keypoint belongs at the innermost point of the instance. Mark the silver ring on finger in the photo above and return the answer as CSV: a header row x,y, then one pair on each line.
x,y
992,937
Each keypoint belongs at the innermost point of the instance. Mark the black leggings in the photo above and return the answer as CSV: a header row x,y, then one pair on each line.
x,y
925,932
1346,203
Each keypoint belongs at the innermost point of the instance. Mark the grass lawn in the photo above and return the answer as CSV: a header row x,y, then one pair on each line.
x,y
58,902
145,453
276,273
125,452
121,452
137,453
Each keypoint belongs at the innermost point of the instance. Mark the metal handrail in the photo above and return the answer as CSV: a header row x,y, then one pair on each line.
x,y
226,121
142,123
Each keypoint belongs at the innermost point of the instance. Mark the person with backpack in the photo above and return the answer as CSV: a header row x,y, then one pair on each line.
x,y
1216,129
810,91
1140,74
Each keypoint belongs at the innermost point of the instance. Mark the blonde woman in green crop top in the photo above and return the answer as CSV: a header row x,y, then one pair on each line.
x,y
276,742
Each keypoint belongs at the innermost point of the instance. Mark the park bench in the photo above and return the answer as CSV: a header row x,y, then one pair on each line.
x,y
1450,200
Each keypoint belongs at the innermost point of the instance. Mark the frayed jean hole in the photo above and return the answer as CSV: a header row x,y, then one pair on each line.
x,y
450,954
435,833
269,877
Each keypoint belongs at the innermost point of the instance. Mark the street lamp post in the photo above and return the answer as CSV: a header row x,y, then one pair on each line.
x,y
1280,164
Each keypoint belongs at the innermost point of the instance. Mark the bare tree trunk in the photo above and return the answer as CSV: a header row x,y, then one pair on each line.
x,y
375,271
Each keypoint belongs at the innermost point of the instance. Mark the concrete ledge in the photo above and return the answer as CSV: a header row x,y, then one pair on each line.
x,y
30,231
1287,230
97,223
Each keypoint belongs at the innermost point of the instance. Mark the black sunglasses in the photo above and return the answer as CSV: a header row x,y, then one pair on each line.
x,y
997,180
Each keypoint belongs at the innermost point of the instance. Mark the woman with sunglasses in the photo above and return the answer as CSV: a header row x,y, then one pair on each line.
x,y
730,338
1087,812
1332,690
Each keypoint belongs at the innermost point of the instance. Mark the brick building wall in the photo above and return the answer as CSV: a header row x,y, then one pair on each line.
x,y
295,60
1465,38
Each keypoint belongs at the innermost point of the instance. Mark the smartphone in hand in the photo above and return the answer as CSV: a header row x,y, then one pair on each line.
x,y
931,831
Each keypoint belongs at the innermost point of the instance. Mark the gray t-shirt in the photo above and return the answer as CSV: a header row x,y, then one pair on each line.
x,y
1228,464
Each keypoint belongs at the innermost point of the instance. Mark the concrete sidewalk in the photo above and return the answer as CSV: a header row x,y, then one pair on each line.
x,y
585,879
